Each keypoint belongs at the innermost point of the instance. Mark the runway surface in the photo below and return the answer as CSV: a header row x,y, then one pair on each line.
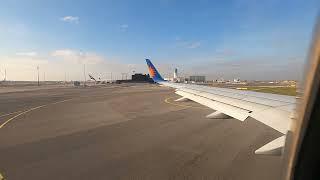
x,y
126,132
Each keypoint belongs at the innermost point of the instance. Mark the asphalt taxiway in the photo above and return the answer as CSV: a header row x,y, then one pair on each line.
x,y
133,131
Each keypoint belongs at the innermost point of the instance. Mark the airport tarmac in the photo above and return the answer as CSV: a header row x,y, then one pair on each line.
x,y
129,131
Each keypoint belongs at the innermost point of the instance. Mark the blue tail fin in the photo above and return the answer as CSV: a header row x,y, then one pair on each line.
x,y
153,72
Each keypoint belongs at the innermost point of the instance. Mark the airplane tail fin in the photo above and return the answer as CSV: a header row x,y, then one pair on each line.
x,y
153,72
91,77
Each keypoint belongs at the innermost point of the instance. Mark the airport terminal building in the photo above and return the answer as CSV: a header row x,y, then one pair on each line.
x,y
197,78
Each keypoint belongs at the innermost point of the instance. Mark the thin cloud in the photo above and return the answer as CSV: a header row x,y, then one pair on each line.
x,y
177,38
193,45
224,52
75,56
30,54
70,19
186,44
124,27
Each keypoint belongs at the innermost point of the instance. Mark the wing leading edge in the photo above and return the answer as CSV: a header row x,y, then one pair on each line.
x,y
270,109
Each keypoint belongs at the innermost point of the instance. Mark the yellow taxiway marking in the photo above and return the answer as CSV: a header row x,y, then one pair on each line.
x,y
10,113
181,105
29,110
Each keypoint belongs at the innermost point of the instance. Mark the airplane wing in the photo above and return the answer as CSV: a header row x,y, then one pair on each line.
x,y
273,110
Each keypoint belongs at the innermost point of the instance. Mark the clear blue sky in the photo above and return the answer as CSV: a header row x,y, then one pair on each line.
x,y
183,32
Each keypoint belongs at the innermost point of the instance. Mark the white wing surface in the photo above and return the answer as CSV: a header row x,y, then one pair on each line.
x,y
272,110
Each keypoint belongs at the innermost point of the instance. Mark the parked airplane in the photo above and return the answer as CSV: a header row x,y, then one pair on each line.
x,y
273,110
94,79
91,77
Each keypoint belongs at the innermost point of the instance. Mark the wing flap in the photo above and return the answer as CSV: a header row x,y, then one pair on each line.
x,y
235,112
275,116
274,147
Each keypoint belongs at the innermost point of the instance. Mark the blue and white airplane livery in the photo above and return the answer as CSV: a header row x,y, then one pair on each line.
x,y
276,111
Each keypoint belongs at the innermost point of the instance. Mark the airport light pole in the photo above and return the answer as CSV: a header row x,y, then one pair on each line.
x,y
38,75
81,54
124,75
5,74
84,74
65,77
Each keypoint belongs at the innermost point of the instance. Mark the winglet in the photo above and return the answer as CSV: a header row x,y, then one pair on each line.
x,y
153,72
